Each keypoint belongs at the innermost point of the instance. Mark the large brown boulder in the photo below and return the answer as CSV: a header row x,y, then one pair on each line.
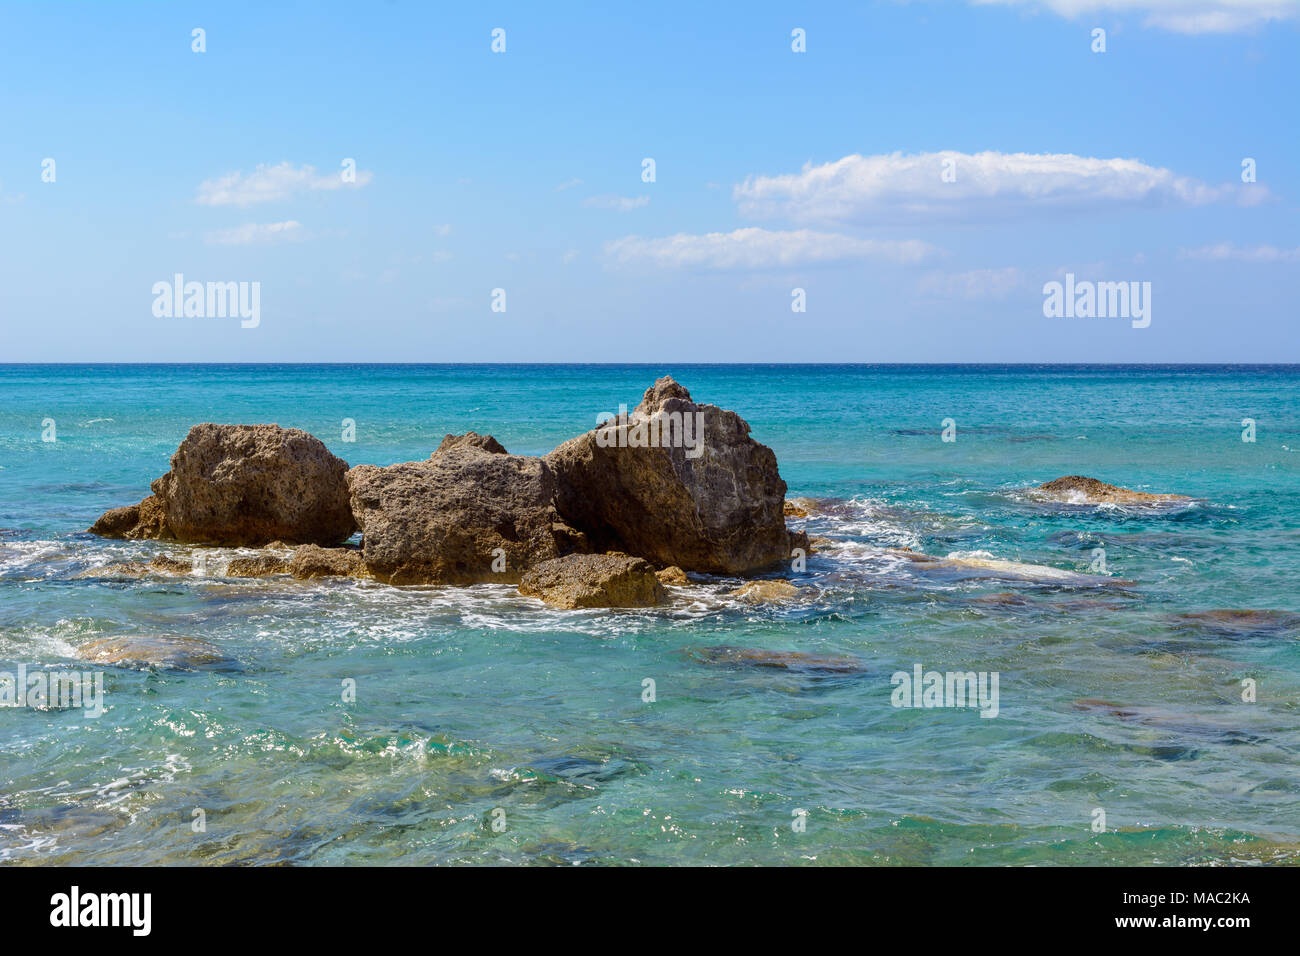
x,y
594,580
471,513
677,483
243,485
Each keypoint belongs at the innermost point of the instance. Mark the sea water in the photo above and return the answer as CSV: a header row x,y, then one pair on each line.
x,y
487,728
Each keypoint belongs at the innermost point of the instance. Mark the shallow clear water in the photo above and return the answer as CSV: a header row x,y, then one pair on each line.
x,y
473,700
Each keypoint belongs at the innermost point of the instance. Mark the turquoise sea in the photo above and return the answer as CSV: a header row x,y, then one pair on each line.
x,y
476,706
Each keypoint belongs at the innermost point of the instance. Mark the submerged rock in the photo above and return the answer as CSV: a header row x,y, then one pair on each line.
x,y
727,655
1001,599
1076,489
978,565
312,561
757,592
174,653
1009,599
678,483
160,564
594,580
118,569
68,824
1170,719
471,513
1239,623
1095,705
242,485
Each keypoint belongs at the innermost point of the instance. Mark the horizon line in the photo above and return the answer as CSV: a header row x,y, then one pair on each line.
x,y
633,364
664,363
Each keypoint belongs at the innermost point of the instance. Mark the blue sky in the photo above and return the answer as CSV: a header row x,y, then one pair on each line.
x,y
774,170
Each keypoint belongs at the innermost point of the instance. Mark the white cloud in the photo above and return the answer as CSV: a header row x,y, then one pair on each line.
x,y
617,203
270,183
866,190
253,232
442,230
1226,251
1180,16
976,284
568,185
755,248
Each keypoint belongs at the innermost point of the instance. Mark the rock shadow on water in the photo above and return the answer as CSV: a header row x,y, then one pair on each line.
x,y
1073,743
584,771
1041,600
796,662
1237,623
1172,722
56,829
563,853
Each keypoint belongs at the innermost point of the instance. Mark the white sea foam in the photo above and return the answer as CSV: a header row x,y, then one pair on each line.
x,y
41,557
873,519
41,644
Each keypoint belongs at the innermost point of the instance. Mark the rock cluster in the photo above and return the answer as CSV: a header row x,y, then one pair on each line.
x,y
675,486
